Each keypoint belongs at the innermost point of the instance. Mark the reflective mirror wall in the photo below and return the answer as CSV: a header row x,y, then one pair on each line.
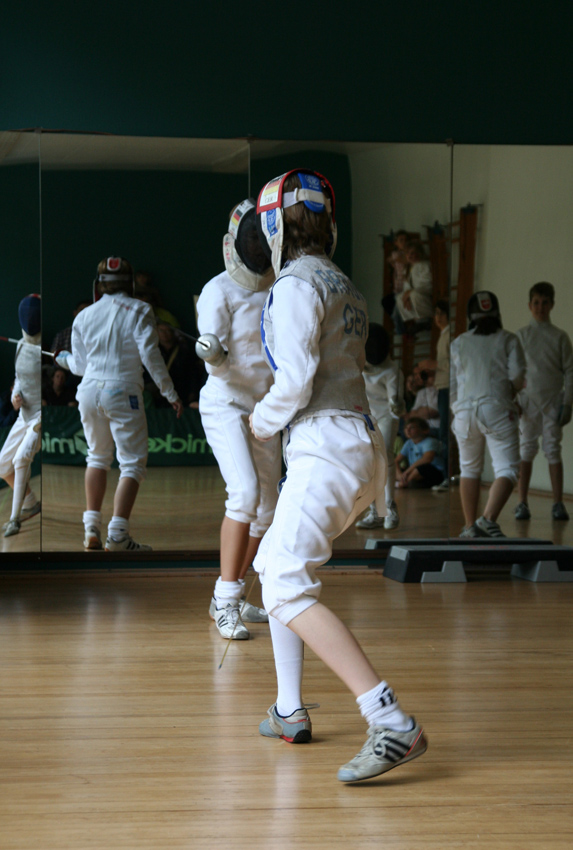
x,y
164,205
20,376
522,196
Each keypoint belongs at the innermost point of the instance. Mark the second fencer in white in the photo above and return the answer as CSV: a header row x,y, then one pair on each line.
x,y
23,441
229,315
111,341
487,371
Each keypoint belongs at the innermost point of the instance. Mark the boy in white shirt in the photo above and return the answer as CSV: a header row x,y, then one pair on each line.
x,y
546,398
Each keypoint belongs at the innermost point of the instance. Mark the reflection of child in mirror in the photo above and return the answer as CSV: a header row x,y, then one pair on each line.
x,y
546,399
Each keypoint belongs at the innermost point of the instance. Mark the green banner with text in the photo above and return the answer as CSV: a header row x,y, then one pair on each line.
x,y
172,441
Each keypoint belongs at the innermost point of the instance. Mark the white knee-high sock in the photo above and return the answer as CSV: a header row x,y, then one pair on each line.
x,y
20,483
379,707
288,650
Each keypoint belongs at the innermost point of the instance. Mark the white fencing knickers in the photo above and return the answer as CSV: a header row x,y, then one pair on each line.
x,y
334,473
250,468
113,416
20,445
535,423
497,426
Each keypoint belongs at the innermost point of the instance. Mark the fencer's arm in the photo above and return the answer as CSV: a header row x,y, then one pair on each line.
x,y
214,316
147,342
297,316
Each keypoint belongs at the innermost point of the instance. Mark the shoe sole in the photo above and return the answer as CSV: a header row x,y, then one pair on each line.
x,y
418,748
303,736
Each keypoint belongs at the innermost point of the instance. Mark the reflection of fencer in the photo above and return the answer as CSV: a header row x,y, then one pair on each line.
x,y
110,341
314,329
23,441
229,309
385,392
546,399
488,369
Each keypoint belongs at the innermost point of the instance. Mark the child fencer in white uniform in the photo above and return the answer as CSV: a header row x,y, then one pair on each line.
x,y
314,327
385,392
23,441
111,341
546,399
229,308
487,371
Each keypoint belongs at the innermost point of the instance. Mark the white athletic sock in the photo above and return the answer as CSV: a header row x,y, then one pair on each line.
x,y
288,650
227,591
379,707
92,519
30,500
118,529
20,484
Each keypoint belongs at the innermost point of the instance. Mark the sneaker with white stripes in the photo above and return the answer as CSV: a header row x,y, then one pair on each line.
x,y
370,519
229,621
489,527
391,520
126,544
92,538
251,613
295,729
383,750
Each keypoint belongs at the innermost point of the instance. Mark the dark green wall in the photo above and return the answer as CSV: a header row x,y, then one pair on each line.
x,y
475,72
19,253
169,224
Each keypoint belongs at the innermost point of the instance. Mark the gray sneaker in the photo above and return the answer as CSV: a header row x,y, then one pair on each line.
x,y
252,614
127,544
391,520
12,527
92,538
370,519
296,728
522,511
26,513
229,621
489,527
558,511
472,531
383,750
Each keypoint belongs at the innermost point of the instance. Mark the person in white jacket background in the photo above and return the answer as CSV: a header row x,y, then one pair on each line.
x,y
546,399
23,441
385,392
111,341
314,328
229,316
487,371
414,305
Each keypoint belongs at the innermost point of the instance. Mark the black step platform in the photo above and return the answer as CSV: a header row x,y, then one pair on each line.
x,y
445,561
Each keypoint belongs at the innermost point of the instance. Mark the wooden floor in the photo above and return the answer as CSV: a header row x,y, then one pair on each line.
x,y
180,510
117,730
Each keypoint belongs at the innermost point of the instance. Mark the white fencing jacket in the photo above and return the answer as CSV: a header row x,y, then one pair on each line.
x,y
112,338
549,357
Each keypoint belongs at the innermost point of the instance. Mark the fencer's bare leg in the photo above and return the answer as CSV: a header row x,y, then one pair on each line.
x,y
469,495
335,644
234,545
499,493
125,496
252,549
95,484
9,479
556,475
525,469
